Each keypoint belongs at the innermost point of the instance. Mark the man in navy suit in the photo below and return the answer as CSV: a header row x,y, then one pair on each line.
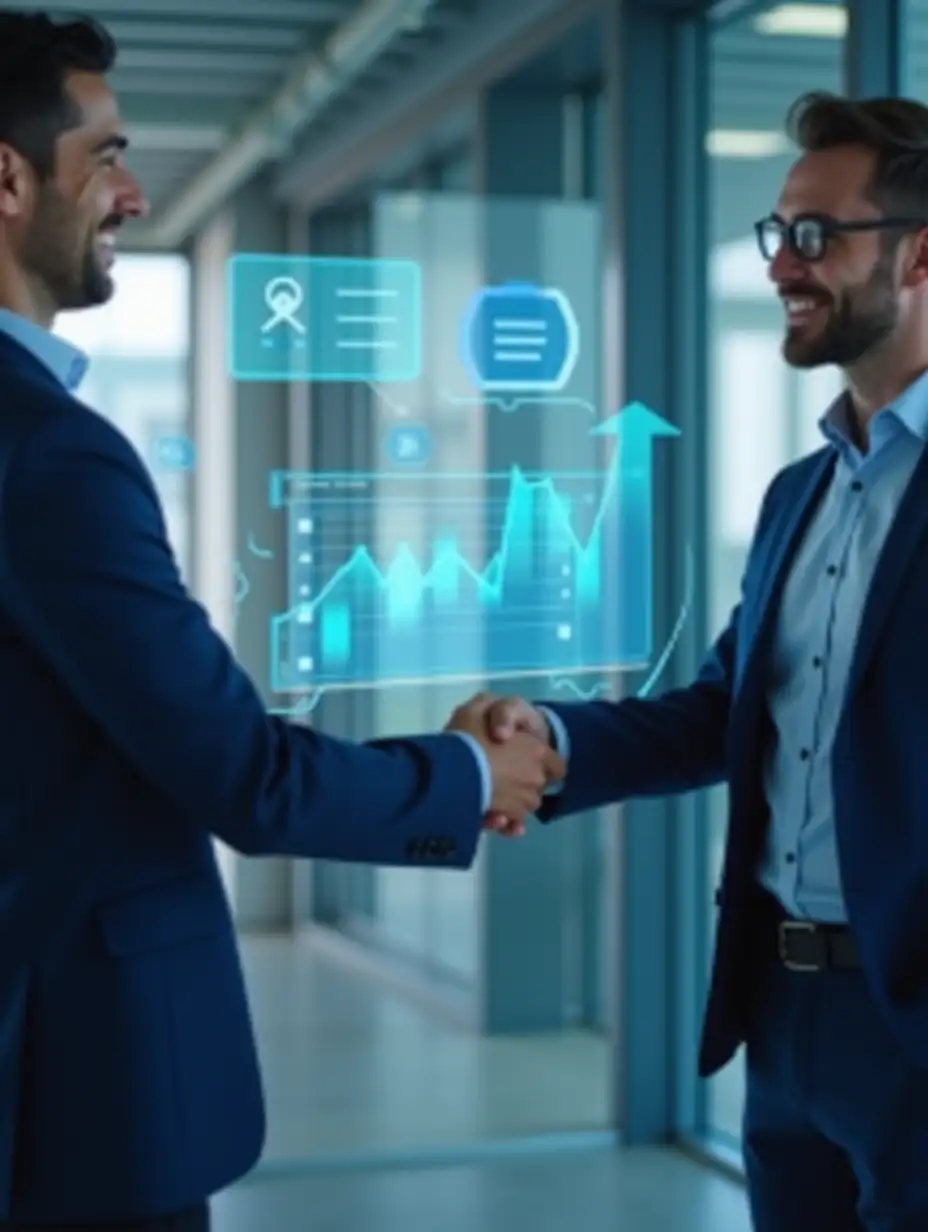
x,y
129,1087
813,707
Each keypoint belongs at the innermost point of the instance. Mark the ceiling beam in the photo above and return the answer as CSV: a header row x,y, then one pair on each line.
x,y
297,13
175,138
223,87
244,62
193,34
312,81
500,37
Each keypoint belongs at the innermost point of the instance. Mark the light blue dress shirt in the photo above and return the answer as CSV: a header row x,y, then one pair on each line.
x,y
64,361
813,646
70,366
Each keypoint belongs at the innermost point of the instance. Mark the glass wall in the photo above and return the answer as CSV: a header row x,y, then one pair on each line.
x,y
430,1009
762,415
915,48
138,344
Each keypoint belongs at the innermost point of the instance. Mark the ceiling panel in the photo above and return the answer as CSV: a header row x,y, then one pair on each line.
x,y
189,71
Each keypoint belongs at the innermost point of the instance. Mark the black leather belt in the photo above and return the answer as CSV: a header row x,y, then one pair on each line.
x,y
805,945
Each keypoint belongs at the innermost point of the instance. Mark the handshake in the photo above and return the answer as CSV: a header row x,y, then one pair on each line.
x,y
516,738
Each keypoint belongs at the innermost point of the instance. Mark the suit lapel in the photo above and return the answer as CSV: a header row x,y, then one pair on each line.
x,y
909,526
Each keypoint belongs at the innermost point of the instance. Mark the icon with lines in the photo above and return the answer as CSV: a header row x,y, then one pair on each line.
x,y
324,319
520,337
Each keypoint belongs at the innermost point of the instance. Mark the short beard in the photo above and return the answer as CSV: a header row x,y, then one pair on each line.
x,y
859,321
62,261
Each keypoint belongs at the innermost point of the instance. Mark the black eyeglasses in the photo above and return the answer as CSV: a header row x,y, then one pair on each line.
x,y
808,235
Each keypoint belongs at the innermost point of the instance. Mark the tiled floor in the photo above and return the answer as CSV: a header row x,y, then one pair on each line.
x,y
632,1191
353,1067
360,1080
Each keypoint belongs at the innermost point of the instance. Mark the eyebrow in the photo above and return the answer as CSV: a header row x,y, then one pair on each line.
x,y
116,141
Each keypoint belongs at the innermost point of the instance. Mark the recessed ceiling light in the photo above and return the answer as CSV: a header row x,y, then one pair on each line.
x,y
745,143
805,20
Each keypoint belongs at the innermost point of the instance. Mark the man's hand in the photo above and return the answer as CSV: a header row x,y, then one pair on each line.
x,y
522,763
504,716
515,738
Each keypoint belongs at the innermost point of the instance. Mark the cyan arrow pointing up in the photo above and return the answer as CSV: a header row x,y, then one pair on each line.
x,y
636,427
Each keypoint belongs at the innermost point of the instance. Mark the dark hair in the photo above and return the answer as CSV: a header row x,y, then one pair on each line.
x,y
895,129
36,56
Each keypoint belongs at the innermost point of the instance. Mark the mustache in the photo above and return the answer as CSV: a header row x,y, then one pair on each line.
x,y
796,290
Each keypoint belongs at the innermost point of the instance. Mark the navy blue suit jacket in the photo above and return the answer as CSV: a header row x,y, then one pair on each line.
x,y
129,1084
716,729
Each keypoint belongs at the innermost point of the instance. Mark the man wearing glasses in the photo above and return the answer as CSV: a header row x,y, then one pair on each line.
x,y
813,707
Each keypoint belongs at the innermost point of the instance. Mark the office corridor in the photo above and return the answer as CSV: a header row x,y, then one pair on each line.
x,y
637,1191
360,1081
352,1067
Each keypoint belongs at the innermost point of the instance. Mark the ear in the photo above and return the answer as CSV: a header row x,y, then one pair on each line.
x,y
915,273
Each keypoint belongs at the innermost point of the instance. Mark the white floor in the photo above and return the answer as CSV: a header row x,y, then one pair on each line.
x,y
354,1068
614,1191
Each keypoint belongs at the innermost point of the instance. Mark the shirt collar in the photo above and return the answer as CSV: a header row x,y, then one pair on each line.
x,y
63,360
909,412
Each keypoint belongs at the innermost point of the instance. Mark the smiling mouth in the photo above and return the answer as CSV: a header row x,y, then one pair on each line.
x,y
801,308
106,246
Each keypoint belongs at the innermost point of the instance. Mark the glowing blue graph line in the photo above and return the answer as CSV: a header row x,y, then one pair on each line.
x,y
261,553
676,632
242,584
300,709
588,694
450,609
583,694
406,578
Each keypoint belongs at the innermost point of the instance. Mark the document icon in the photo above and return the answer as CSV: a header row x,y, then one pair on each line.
x,y
520,337
324,319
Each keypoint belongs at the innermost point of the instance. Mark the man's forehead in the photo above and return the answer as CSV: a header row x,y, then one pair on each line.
x,y
832,182
95,103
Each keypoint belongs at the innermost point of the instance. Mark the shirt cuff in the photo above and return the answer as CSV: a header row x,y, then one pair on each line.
x,y
561,741
486,774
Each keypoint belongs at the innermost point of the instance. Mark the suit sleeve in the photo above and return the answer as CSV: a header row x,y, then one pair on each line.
x,y
643,747
91,582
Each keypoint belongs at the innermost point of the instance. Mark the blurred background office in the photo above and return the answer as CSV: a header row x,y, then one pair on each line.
x,y
517,1042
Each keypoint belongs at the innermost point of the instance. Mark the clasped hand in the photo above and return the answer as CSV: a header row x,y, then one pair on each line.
x,y
517,741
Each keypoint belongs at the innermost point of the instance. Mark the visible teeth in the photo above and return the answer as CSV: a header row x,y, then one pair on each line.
x,y
800,305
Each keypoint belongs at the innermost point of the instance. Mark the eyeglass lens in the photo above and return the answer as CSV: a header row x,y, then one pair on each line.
x,y
806,236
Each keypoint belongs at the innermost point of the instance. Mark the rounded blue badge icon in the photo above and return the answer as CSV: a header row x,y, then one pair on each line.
x,y
520,337
408,444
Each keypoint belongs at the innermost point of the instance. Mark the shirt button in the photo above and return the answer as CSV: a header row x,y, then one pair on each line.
x,y
832,570
857,486
804,754
816,662
790,857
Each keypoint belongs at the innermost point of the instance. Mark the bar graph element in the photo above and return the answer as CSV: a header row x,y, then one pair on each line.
x,y
518,574
324,319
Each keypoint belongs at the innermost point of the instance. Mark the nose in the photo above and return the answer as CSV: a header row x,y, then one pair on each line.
x,y
787,267
130,201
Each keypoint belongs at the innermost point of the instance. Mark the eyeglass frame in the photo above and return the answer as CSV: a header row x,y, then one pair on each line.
x,y
830,229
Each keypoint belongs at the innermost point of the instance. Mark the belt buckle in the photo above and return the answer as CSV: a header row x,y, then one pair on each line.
x,y
796,926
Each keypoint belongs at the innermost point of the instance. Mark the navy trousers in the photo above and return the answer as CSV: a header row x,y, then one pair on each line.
x,y
836,1116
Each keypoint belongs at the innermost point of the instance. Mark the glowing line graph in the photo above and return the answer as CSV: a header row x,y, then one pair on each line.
x,y
405,574
538,604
